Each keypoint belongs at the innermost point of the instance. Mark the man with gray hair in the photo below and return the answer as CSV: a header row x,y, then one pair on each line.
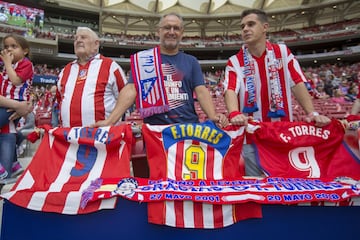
x,y
88,87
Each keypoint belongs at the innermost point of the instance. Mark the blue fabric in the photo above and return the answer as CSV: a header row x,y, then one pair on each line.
x,y
55,115
4,116
252,109
278,113
8,150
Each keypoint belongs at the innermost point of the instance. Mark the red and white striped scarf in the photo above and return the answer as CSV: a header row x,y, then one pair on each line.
x,y
276,97
148,80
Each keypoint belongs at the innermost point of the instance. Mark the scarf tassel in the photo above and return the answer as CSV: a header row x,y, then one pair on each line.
x,y
276,114
89,192
250,109
149,111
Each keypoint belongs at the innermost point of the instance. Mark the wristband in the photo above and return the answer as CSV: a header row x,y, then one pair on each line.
x,y
234,114
313,114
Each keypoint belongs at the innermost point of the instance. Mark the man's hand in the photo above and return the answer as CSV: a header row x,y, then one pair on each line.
x,y
320,120
220,120
20,109
237,118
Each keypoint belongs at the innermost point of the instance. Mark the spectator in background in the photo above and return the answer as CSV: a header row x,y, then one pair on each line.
x,y
320,93
88,87
26,125
352,92
259,67
338,96
356,106
54,107
335,81
328,87
344,86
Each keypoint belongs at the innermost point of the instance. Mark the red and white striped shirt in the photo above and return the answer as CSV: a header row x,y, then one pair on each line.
x,y
89,93
290,74
195,151
24,69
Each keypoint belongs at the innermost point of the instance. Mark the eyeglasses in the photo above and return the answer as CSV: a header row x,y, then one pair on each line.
x,y
174,28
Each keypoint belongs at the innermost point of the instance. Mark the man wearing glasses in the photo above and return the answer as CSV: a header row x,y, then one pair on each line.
x,y
163,82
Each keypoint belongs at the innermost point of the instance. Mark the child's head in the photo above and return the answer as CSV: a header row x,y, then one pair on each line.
x,y
17,45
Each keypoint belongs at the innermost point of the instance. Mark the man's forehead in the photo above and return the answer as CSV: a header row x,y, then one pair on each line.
x,y
171,19
83,33
250,18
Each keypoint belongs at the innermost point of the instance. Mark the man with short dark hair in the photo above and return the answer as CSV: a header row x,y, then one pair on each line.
x,y
259,80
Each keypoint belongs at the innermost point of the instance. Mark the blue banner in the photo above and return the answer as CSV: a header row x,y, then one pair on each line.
x,y
44,79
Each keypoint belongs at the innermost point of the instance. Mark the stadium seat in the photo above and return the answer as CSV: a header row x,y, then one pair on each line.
x,y
139,159
42,117
337,115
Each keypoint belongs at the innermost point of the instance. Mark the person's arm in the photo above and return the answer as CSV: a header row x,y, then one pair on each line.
x,y
20,108
232,105
125,100
6,102
206,103
7,58
231,101
29,122
355,107
303,97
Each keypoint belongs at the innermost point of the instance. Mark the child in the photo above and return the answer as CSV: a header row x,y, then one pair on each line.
x,y
16,78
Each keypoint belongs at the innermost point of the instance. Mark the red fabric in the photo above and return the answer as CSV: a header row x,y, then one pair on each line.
x,y
66,162
346,160
351,118
302,150
33,136
148,79
234,114
177,152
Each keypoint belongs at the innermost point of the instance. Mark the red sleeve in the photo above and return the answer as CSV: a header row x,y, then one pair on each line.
x,y
25,69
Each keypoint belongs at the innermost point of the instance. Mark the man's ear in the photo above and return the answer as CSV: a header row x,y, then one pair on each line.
x,y
97,42
266,27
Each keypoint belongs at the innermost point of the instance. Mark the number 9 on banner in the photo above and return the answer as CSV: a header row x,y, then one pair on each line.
x,y
303,159
86,156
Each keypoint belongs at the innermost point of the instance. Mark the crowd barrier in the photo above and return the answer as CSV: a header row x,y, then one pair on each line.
x,y
129,220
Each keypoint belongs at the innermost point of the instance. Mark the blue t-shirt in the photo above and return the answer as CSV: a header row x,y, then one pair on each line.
x,y
182,73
